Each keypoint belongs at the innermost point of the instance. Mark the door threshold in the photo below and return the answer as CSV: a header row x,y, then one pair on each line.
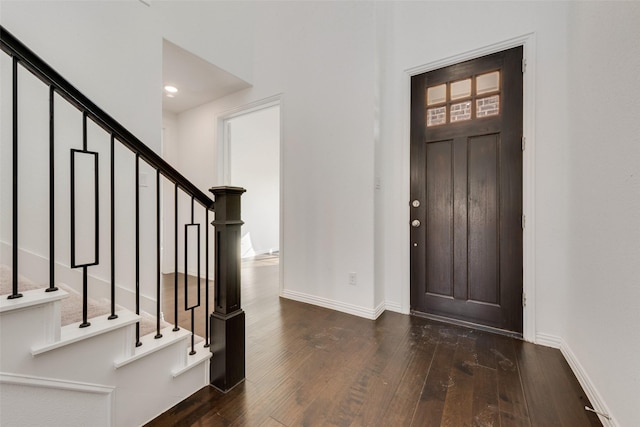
x,y
466,324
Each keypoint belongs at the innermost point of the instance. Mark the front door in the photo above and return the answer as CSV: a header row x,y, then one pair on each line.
x,y
466,191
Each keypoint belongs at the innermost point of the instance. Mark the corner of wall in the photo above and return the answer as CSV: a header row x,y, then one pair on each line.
x,y
597,402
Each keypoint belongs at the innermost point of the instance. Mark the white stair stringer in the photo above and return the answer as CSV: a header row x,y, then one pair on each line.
x,y
146,380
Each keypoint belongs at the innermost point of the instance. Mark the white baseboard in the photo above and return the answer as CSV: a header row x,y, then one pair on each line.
x,y
379,309
595,398
581,374
395,307
548,340
353,309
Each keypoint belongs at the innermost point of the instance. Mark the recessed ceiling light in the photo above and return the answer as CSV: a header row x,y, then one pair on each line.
x,y
171,89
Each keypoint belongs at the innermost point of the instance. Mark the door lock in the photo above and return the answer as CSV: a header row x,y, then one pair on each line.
x,y
415,223
415,203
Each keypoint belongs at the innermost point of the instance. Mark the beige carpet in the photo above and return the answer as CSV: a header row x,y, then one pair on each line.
x,y
71,309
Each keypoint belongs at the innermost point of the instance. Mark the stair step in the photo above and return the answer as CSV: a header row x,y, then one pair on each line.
x,y
30,299
202,353
151,345
99,325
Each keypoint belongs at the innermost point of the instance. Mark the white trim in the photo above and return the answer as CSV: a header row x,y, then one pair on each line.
x,y
587,385
548,340
31,381
29,299
343,307
394,306
528,189
528,42
55,384
379,310
589,388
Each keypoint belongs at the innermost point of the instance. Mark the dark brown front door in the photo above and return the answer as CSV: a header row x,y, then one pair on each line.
x,y
466,191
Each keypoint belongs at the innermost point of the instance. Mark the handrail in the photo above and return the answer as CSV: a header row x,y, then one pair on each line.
x,y
13,47
29,61
225,327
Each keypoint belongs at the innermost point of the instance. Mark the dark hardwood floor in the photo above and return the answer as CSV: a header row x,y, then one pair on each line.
x,y
309,366
184,317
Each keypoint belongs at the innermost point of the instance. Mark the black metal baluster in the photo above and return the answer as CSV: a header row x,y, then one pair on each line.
x,y
23,58
52,263
193,335
158,334
206,278
113,229
97,208
186,275
15,293
175,256
186,270
138,343
85,282
74,264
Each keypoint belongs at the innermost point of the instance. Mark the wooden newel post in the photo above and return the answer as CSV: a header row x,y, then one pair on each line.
x,y
227,320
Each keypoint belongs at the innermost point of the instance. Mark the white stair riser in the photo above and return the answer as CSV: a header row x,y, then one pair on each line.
x,y
142,389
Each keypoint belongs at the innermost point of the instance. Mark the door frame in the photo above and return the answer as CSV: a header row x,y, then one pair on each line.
x,y
528,42
224,159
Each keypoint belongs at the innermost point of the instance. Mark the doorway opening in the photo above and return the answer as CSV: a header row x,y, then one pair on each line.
x,y
250,156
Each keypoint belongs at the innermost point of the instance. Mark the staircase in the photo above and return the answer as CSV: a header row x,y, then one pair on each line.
x,y
65,375
83,341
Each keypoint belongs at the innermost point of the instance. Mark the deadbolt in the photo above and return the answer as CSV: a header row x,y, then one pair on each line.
x,y
415,223
415,203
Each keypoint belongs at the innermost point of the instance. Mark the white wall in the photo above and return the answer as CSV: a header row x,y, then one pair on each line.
x,y
171,154
325,75
603,173
219,31
254,164
66,36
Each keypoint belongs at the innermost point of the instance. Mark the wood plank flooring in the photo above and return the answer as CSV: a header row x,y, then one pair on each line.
x,y
309,366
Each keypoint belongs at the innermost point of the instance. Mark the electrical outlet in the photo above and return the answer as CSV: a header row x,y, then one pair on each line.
x,y
353,279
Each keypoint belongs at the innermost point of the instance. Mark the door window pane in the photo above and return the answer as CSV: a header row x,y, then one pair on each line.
x,y
489,106
436,116
461,89
436,94
489,82
460,111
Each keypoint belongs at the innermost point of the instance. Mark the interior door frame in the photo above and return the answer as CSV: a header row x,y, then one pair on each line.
x,y
528,42
223,160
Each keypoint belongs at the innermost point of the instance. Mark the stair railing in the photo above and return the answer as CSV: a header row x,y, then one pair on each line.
x,y
23,57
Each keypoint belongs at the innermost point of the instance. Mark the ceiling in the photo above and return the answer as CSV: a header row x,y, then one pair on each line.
x,y
197,80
